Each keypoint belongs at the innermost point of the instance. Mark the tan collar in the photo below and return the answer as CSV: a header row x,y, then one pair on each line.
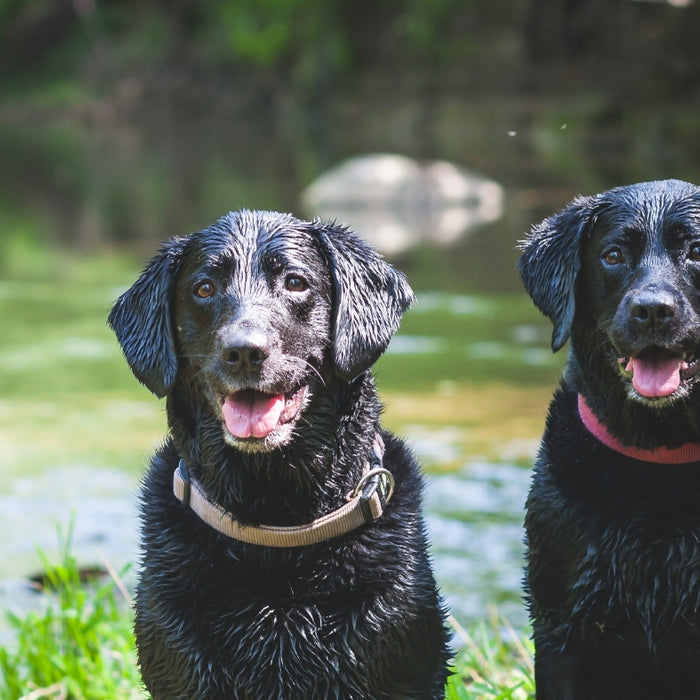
x,y
365,503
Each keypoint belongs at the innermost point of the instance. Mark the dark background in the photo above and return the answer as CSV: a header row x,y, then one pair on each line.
x,y
123,122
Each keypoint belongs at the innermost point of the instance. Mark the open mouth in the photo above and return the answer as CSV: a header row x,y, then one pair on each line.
x,y
657,372
249,413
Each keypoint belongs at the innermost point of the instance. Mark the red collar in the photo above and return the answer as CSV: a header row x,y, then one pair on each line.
x,y
685,454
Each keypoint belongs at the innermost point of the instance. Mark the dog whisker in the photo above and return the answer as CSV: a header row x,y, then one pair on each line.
x,y
314,371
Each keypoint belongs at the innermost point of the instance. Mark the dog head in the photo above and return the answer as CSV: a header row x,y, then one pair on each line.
x,y
253,313
621,270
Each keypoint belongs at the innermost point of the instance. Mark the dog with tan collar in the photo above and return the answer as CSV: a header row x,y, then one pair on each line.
x,y
284,549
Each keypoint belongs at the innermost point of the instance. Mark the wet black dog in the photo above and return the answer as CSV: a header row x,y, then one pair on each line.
x,y
282,569
613,515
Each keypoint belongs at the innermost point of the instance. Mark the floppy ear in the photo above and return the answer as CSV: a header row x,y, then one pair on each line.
x,y
550,264
140,319
370,296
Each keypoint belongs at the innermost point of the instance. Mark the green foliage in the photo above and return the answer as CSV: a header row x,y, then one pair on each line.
x,y
303,43
262,31
495,663
79,646
425,24
287,36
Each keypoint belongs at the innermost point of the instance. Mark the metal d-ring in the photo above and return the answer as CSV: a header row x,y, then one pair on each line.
x,y
377,471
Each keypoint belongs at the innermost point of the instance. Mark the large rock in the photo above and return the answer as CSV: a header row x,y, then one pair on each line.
x,y
396,202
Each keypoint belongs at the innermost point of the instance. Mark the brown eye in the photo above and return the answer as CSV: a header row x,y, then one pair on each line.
x,y
204,289
694,252
613,257
295,283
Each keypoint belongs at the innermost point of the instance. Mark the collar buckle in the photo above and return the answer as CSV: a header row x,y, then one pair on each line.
x,y
377,478
374,489
182,486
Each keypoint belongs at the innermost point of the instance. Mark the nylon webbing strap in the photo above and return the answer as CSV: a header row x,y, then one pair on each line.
x,y
365,504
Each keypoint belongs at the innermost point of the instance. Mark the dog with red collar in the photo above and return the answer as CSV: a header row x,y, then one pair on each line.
x,y
613,513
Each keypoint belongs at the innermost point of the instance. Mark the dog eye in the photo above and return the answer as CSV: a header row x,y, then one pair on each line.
x,y
694,252
613,257
295,283
204,289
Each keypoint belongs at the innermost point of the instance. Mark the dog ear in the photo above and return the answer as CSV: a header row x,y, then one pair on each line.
x,y
551,261
140,318
370,296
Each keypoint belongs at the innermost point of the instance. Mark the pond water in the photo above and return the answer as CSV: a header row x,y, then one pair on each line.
x,y
466,381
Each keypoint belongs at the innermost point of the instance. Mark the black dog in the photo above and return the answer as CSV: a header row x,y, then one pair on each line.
x,y
613,515
285,567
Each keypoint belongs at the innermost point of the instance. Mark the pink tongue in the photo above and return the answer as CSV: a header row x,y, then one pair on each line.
x,y
252,413
658,377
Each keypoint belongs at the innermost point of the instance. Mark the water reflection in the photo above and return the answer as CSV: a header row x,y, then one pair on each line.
x,y
474,518
397,202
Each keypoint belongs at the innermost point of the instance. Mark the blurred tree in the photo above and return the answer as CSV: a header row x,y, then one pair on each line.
x,y
304,47
292,38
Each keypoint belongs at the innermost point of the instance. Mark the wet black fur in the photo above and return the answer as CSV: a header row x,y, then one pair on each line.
x,y
353,617
613,571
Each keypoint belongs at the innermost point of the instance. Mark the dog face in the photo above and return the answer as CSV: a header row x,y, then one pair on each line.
x,y
252,314
622,271
255,314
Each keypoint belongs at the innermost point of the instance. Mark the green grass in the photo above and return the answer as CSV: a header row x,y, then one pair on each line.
x,y
494,663
80,646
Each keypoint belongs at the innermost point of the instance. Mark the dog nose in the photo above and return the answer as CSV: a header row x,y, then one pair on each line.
x,y
653,309
245,351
